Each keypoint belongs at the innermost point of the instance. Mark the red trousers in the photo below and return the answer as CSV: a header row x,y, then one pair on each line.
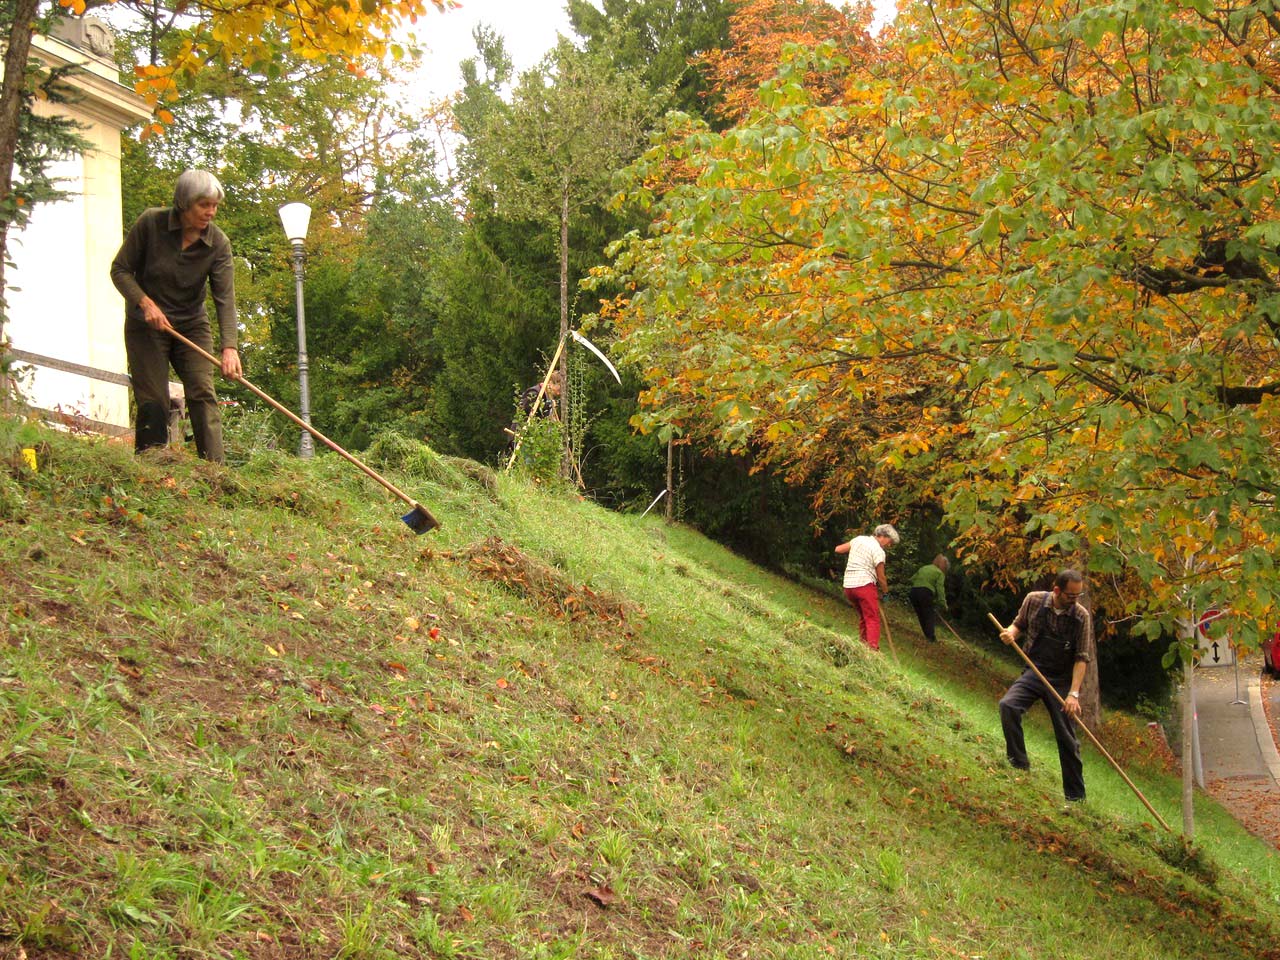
x,y
866,599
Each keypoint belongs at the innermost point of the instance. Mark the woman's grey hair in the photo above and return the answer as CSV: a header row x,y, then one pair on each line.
x,y
194,186
886,530
942,563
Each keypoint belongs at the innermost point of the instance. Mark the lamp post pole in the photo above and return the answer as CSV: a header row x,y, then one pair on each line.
x,y
295,217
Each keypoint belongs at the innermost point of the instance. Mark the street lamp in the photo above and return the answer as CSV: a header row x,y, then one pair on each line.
x,y
295,217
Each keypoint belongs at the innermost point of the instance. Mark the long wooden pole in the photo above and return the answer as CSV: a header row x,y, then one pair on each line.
x,y
1124,776
427,518
551,369
888,634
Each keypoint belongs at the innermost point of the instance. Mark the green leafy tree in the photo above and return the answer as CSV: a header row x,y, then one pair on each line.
x,y
1020,266
665,41
499,286
550,154
384,359
493,333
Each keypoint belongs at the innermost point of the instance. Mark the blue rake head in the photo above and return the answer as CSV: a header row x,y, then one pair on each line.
x,y
420,520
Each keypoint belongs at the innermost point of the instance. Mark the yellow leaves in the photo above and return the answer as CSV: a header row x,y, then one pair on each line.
x,y
350,30
75,6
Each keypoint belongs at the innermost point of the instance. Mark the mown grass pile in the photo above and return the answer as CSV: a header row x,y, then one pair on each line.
x,y
246,713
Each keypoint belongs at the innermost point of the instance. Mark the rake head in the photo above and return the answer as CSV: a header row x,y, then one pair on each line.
x,y
420,520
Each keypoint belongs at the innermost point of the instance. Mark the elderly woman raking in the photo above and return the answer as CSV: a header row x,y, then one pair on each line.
x,y
169,259
864,579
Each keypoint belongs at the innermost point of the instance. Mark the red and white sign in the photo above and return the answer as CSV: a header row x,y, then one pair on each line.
x,y
1216,650
1207,618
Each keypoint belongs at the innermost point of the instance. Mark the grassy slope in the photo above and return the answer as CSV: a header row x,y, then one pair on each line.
x,y
226,729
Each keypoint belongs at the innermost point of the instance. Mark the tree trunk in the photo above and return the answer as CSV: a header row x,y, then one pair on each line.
x,y
17,51
1188,736
1091,695
670,512
564,324
1091,686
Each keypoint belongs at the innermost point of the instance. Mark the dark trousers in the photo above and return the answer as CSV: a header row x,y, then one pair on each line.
x,y
922,601
150,353
1019,698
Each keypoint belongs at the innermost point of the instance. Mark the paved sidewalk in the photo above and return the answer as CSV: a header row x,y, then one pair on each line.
x,y
1235,741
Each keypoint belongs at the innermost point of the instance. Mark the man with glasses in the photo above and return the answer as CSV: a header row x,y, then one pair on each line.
x,y
1059,633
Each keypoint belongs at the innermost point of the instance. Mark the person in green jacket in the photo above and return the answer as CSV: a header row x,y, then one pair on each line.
x,y
929,588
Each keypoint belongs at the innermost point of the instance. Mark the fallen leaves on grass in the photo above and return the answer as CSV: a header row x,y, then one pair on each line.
x,y
500,562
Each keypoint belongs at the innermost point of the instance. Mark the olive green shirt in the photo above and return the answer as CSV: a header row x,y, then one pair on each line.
x,y
933,578
151,262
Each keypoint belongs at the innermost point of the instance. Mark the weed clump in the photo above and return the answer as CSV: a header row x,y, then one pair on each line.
x,y
1187,857
483,476
13,502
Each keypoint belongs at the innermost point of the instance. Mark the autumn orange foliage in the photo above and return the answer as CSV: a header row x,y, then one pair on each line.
x,y
1023,266
760,31
251,31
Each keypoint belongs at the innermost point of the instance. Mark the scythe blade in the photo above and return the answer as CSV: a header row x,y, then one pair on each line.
x,y
596,350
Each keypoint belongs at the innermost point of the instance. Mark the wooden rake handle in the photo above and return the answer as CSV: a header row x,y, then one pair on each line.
x,y
359,464
1096,742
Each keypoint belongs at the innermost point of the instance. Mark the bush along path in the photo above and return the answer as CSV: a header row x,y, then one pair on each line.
x,y
244,714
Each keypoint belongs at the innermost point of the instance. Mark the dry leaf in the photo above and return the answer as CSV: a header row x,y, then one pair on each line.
x,y
602,896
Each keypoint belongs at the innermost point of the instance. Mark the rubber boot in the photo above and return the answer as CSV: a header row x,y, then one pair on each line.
x,y
151,428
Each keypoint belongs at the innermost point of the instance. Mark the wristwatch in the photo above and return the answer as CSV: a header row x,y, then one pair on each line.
x,y
1074,694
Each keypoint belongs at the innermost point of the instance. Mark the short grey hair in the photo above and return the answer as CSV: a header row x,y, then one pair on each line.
x,y
886,530
194,186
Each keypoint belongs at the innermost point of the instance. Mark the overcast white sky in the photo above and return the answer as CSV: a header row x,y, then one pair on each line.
x,y
529,28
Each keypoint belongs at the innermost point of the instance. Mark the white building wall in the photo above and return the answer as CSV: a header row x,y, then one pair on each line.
x,y
62,303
